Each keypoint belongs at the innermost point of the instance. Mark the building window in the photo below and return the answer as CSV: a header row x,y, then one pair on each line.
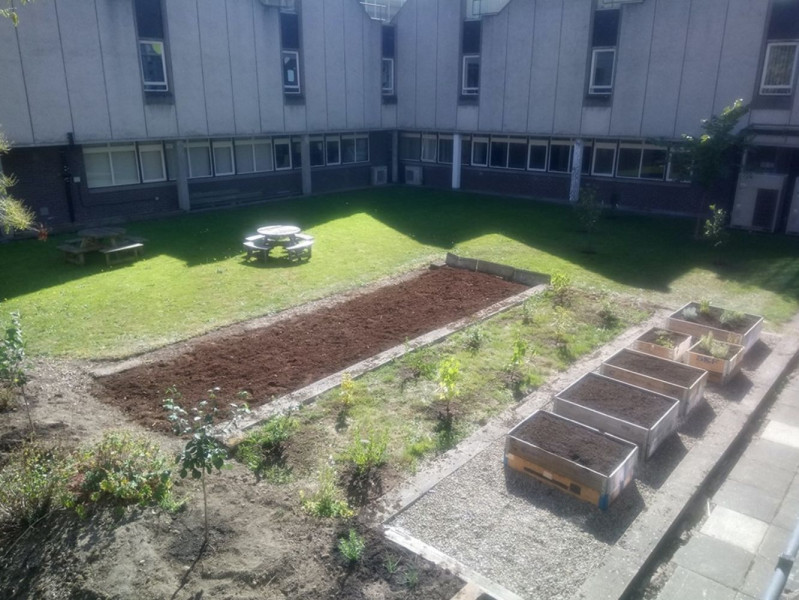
x,y
499,153
604,161
333,150
199,159
429,148
560,156
602,71
470,53
410,146
653,163
291,72
282,154
779,69
316,149
253,156
362,148
445,149
347,149
151,163
466,150
387,77
290,54
517,154
480,152
537,157
171,160
471,75
629,164
114,164
152,51
223,157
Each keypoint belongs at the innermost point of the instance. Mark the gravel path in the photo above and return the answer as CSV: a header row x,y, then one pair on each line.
x,y
532,539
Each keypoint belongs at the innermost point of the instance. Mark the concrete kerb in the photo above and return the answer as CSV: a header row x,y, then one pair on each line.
x,y
231,433
632,555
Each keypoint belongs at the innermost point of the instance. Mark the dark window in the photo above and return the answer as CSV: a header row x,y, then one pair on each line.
x,y
653,164
629,162
296,153
606,28
388,41
149,20
517,154
538,157
317,151
784,21
290,30
604,157
410,147
588,152
466,151
282,154
347,149
333,151
445,150
559,155
471,37
499,154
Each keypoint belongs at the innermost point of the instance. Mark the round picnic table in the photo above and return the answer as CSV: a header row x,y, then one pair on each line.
x,y
100,236
279,234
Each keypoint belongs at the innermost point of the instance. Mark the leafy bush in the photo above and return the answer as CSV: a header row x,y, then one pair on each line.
x,y
608,315
475,336
367,453
346,394
32,483
327,500
731,318
352,547
704,306
712,347
663,338
561,289
420,363
262,450
120,470
13,376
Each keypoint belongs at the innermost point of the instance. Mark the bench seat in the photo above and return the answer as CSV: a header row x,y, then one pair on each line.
x,y
118,254
300,250
257,248
74,252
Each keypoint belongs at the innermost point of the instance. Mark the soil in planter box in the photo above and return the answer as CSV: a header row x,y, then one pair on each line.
x,y
712,318
728,354
567,440
658,336
665,370
630,404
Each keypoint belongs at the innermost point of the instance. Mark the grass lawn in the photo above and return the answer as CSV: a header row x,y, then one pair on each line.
x,y
193,279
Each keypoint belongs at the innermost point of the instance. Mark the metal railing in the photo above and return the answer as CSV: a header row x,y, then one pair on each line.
x,y
783,569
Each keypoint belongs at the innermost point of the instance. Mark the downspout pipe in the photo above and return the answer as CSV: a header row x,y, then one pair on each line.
x,y
784,566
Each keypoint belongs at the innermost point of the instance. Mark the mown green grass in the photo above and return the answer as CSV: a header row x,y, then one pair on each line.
x,y
193,279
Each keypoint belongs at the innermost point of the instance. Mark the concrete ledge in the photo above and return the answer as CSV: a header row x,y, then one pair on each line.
x,y
508,273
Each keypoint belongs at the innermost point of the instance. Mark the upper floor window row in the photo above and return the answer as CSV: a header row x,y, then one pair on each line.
x,y
779,69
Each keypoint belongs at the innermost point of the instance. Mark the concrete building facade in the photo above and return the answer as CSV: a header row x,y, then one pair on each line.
x,y
133,108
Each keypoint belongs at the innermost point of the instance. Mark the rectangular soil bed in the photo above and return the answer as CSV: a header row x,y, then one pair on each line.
x,y
664,343
725,325
683,382
572,457
635,414
722,367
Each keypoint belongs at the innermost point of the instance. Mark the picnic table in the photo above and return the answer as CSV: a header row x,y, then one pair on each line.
x,y
290,237
109,241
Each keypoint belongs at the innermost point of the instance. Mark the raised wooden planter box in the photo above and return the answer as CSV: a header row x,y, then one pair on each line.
x,y
572,457
745,333
667,377
627,411
720,370
664,343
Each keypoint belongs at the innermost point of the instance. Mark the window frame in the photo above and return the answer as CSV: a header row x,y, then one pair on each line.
x,y
429,138
108,150
769,90
646,147
287,87
283,141
154,86
445,138
538,142
570,145
481,140
223,144
627,145
149,147
601,90
387,90
415,136
200,144
604,146
466,90
316,139
332,139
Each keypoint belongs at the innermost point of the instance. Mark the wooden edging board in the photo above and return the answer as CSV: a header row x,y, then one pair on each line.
x,y
506,272
675,353
567,475
746,339
720,370
647,439
689,396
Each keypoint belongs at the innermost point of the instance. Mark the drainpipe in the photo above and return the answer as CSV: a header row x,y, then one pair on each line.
x,y
456,161
783,570
577,170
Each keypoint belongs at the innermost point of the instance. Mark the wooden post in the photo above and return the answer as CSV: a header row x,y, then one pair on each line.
x,y
577,168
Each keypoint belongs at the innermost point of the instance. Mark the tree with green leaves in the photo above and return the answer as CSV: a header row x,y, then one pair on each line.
x,y
706,158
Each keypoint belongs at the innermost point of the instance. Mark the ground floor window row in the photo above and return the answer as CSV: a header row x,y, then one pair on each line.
x,y
109,165
600,157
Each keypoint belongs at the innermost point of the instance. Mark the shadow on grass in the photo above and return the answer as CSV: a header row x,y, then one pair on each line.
x,y
634,250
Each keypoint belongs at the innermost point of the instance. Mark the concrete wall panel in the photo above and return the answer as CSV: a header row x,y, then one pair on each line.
x,y
353,63
335,84
240,20
572,67
448,63
15,121
314,34
493,71
406,65
521,24
215,58
39,38
426,63
267,60
187,73
544,66
372,69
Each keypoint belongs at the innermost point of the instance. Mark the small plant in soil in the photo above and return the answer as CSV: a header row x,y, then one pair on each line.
x,y
562,324
663,338
690,313
608,316
527,312
13,375
202,453
561,289
447,376
263,450
419,364
731,318
411,578
367,452
712,347
704,306
475,336
391,563
714,230
346,394
352,547
327,501
517,380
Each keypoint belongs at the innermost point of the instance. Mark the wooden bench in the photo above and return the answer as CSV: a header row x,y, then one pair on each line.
x,y
74,252
117,254
257,248
300,250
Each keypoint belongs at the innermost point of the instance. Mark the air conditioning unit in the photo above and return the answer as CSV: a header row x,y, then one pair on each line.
x,y
793,214
379,175
757,201
413,175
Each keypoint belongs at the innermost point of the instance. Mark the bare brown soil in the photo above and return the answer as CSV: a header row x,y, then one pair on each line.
x,y
572,441
712,318
275,360
652,366
634,405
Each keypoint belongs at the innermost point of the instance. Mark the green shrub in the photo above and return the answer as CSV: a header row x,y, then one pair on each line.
x,y
120,470
367,453
33,482
561,289
475,336
714,348
262,450
346,394
326,501
421,363
352,547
